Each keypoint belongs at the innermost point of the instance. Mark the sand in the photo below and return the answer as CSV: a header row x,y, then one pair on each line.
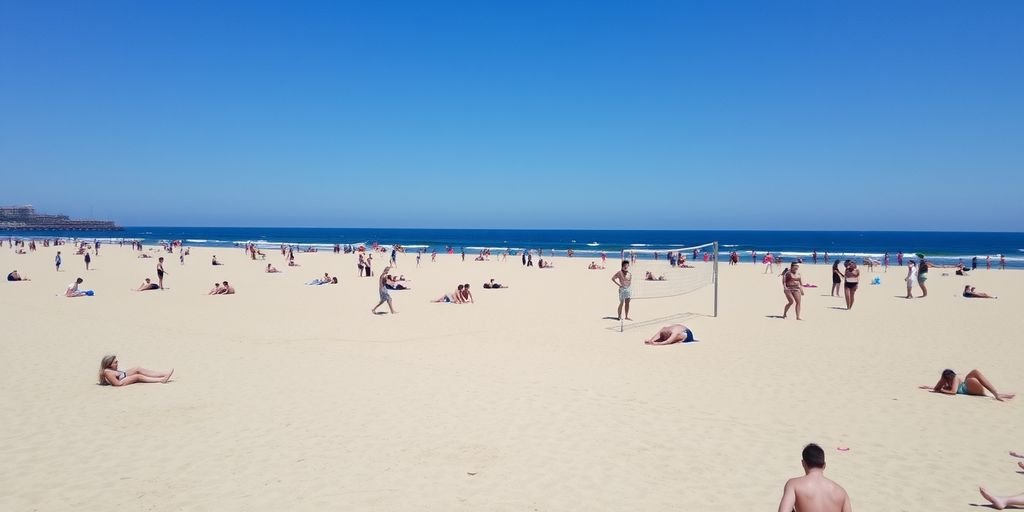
x,y
293,397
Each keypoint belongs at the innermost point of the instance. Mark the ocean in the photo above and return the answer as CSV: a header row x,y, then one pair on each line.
x,y
943,247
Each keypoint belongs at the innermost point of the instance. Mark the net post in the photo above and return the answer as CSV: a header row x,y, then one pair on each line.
x,y
716,279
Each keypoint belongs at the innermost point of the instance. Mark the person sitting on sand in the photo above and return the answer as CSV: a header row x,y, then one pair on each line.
x,y
971,293
147,285
144,255
494,285
111,376
291,263
813,492
214,261
451,298
226,289
73,290
215,290
392,284
467,296
542,263
650,277
272,269
326,279
675,333
15,276
594,266
974,383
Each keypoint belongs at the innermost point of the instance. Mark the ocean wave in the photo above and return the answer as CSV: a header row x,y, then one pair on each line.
x,y
593,244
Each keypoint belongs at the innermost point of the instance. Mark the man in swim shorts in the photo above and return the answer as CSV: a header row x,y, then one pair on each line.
x,y
813,492
624,280
676,333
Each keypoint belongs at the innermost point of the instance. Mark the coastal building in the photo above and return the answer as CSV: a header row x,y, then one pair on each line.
x,y
25,218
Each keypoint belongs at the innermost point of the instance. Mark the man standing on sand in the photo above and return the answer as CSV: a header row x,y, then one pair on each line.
x,y
57,261
383,289
813,492
1002,261
623,279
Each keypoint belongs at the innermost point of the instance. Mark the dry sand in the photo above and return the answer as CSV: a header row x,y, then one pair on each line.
x,y
293,397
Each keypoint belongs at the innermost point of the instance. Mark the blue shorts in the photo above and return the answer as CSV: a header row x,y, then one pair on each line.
x,y
689,336
384,295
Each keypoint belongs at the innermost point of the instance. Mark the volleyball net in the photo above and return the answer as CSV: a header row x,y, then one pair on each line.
x,y
672,283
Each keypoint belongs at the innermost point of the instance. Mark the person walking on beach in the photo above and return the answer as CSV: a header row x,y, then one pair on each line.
x,y
385,296
624,280
1002,261
394,257
974,263
852,281
885,262
826,257
160,272
768,262
813,492
792,288
988,262
57,261
88,260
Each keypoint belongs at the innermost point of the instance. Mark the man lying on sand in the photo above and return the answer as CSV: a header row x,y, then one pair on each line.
x,y
452,298
650,277
494,285
813,492
675,333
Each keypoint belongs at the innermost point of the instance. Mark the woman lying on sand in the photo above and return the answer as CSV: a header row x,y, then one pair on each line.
x,y
147,285
110,375
974,383
494,286
650,277
971,293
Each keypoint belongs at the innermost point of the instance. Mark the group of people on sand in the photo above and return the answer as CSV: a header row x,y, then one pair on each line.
x,y
849,278
461,295
222,288
326,279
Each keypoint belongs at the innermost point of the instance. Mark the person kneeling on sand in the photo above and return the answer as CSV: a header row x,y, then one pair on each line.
x,y
974,383
675,333
971,293
147,285
15,276
111,376
73,290
813,492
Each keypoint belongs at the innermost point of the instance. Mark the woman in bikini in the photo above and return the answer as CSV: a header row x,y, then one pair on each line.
x,y
852,280
793,288
837,279
974,383
110,375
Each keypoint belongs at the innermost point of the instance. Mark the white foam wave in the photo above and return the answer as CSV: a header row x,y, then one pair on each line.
x,y
593,244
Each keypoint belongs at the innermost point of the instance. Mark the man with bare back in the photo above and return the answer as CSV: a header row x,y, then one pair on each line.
x,y
813,492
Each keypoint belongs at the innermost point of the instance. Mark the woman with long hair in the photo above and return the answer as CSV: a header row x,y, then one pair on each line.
x,y
111,375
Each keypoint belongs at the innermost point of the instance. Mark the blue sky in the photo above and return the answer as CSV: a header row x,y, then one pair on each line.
x,y
647,115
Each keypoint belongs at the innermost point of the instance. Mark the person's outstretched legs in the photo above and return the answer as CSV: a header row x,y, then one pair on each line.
x,y
663,333
1001,502
977,383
